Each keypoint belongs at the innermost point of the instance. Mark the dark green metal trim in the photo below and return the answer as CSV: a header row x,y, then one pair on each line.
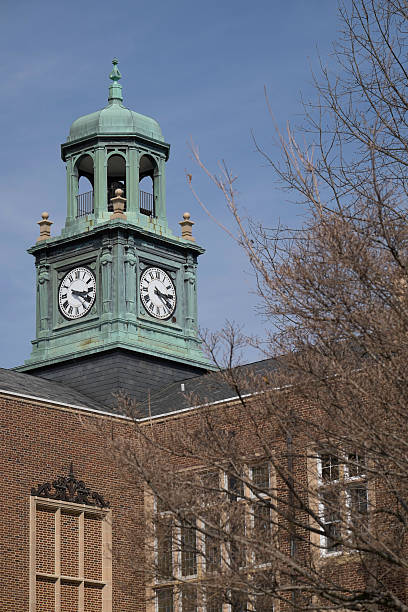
x,y
113,225
93,139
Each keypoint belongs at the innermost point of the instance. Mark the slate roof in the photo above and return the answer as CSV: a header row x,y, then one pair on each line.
x,y
176,396
204,389
27,384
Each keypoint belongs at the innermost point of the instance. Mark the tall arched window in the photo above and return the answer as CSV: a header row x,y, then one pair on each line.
x,y
116,178
147,179
85,197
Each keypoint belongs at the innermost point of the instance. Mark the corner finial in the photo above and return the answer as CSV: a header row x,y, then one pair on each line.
x,y
118,203
115,89
45,227
186,227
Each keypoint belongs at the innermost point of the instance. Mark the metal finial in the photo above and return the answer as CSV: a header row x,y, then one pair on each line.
x,y
115,74
115,88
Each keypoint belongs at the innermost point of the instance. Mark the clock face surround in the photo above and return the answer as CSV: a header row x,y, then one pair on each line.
x,y
77,293
157,293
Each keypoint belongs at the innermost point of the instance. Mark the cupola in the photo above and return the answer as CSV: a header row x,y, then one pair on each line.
x,y
115,148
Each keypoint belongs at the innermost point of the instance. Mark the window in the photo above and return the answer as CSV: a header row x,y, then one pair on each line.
x,y
164,599
237,530
260,511
70,564
356,489
260,476
358,500
262,531
189,549
343,497
213,601
239,601
331,518
355,466
212,548
264,603
164,539
235,487
329,468
189,598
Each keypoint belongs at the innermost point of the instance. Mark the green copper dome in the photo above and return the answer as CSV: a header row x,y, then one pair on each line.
x,y
115,118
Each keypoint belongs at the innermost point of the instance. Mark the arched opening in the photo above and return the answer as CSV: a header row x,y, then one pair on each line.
x,y
85,197
147,175
116,178
84,185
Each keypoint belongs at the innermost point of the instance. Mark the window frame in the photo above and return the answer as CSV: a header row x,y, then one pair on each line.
x,y
244,497
343,484
81,510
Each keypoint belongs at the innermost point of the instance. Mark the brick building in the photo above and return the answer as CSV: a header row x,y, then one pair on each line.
x,y
117,313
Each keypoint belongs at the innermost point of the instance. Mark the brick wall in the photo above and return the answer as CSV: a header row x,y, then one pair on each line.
x,y
37,444
92,548
45,541
69,544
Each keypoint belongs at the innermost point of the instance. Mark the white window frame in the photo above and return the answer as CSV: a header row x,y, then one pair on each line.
x,y
321,486
348,482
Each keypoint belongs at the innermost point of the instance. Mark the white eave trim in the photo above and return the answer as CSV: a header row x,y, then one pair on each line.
x,y
64,404
143,419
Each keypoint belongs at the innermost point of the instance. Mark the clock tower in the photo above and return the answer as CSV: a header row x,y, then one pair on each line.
x,y
116,291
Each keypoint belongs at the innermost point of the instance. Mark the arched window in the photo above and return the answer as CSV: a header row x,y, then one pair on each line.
x,y
116,178
147,179
85,197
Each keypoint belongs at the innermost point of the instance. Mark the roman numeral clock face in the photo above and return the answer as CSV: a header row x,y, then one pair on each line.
x,y
157,293
77,292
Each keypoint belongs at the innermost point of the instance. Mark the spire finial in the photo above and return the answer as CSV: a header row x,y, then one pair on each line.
x,y
115,89
115,74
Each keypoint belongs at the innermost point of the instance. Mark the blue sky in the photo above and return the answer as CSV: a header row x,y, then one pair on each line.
x,y
200,69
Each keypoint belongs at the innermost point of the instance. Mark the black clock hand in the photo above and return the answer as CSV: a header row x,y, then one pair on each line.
x,y
168,296
80,293
163,298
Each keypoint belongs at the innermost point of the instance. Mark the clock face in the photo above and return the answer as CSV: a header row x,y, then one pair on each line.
x,y
158,293
77,293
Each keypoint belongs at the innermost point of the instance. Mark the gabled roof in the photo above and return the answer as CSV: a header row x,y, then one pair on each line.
x,y
174,397
40,388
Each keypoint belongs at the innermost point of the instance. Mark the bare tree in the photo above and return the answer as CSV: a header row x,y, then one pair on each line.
x,y
296,491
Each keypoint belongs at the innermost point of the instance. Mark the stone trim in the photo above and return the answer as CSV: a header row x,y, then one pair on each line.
x,y
81,511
